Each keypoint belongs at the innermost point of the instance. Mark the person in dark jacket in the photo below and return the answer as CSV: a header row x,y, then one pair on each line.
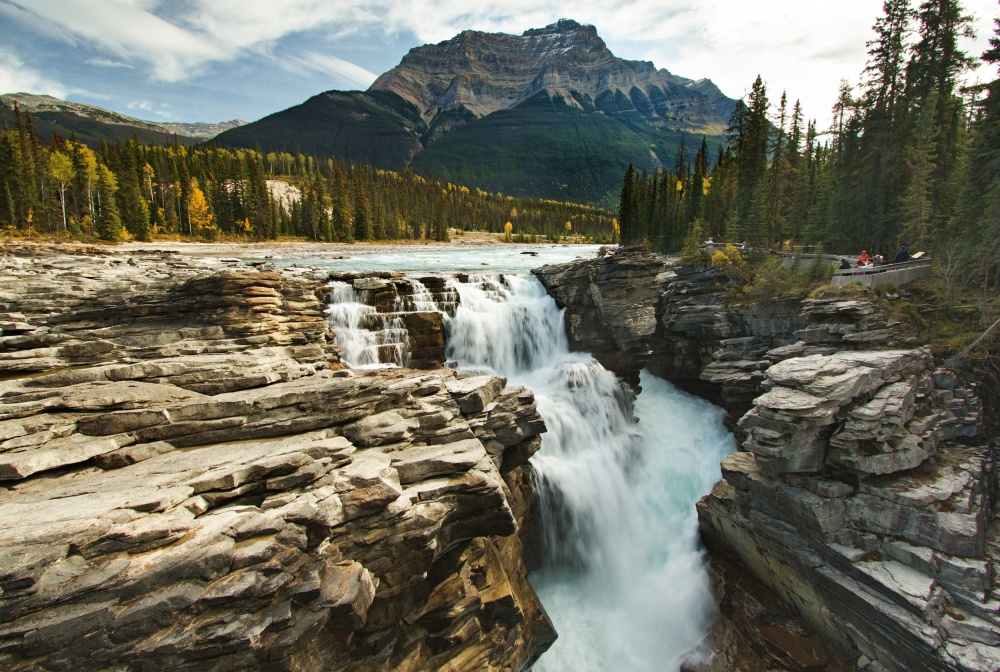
x,y
902,256
844,264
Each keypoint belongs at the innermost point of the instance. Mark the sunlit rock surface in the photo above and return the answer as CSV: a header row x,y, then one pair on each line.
x,y
190,479
486,72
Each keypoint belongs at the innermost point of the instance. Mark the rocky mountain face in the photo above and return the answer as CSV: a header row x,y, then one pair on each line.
x,y
487,72
519,114
190,479
862,504
200,129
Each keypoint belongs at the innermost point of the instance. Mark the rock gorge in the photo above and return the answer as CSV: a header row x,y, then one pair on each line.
x,y
863,499
192,479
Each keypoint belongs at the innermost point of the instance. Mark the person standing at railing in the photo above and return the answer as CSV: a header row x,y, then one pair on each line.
x,y
863,259
902,255
845,264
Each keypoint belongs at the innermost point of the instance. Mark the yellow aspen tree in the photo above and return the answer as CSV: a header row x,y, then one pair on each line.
x,y
199,214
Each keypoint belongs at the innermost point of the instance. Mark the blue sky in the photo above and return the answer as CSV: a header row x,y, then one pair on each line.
x,y
214,60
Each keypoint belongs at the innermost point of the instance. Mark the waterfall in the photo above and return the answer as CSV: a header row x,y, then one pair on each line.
x,y
502,325
623,579
367,338
420,299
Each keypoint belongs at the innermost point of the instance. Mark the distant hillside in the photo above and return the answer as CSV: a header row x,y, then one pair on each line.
x,y
200,129
377,128
551,113
93,124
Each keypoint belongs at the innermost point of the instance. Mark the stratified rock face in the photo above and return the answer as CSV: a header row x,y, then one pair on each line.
x,y
226,496
865,500
720,350
487,72
611,307
864,497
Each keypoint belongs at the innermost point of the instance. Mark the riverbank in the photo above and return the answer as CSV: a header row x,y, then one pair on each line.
x,y
292,249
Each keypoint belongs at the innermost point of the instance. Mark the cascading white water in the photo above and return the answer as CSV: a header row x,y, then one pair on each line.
x,y
503,325
420,298
623,579
624,582
368,339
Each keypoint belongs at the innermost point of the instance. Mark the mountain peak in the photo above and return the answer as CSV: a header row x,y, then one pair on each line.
x,y
560,27
482,73
549,113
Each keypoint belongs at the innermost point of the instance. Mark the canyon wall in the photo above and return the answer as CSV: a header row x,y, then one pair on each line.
x,y
191,479
863,497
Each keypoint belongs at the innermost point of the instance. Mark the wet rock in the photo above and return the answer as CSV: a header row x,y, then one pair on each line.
x,y
611,306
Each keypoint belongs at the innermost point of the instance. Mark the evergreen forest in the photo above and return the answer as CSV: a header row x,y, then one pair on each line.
x,y
912,158
137,191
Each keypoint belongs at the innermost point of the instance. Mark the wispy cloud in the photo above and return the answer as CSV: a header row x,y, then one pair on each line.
x,y
343,72
17,77
802,47
84,93
107,63
128,30
148,106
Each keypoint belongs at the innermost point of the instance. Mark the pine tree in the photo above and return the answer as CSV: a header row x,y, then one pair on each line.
x,y
749,140
362,216
132,206
628,209
977,219
916,206
932,74
109,223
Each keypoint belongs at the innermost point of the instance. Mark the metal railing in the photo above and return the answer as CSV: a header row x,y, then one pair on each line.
x,y
886,274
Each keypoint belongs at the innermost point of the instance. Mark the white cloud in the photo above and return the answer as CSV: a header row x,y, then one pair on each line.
x,y
126,31
345,72
16,77
76,91
159,109
805,48
107,63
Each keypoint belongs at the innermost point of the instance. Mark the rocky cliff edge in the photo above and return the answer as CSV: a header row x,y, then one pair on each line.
x,y
189,479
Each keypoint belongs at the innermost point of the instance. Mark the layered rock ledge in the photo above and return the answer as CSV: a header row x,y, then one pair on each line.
x,y
190,479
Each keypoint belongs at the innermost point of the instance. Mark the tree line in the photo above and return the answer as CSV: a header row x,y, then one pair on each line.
x,y
913,157
203,192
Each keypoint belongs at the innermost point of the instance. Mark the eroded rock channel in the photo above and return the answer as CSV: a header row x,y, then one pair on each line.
x,y
191,478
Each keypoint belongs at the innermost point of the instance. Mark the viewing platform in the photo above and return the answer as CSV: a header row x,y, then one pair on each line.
x,y
870,276
888,274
